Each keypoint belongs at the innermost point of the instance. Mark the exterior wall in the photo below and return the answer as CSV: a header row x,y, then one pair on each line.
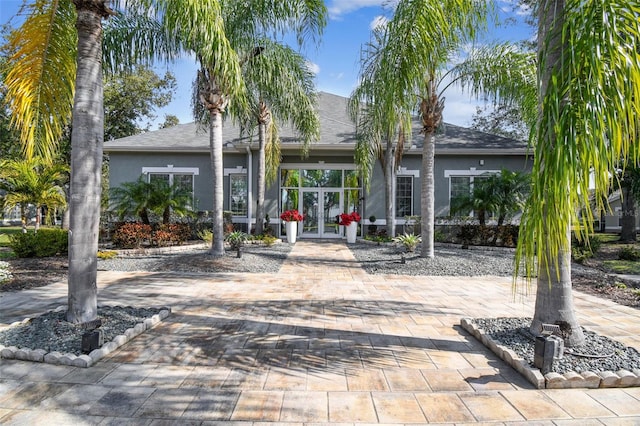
x,y
473,164
127,167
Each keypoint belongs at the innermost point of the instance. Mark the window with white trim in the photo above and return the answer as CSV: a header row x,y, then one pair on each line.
x,y
238,194
404,196
183,177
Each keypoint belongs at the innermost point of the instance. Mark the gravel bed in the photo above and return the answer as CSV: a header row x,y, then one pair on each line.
x,y
255,258
450,260
598,354
51,332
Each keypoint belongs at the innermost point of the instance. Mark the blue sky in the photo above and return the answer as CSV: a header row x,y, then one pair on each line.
x,y
336,60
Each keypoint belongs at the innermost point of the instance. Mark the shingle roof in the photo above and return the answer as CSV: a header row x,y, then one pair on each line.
x,y
336,132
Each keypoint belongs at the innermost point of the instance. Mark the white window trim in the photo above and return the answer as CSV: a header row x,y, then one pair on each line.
x,y
403,171
412,189
471,172
172,170
238,170
231,195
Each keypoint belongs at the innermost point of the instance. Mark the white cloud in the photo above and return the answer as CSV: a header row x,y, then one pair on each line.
x,y
378,21
313,67
337,76
337,8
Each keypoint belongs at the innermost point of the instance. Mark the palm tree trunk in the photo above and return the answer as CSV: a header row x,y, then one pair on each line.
x,y
554,298
389,176
264,116
215,140
86,164
427,198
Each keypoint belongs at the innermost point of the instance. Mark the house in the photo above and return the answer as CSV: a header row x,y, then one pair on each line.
x,y
324,184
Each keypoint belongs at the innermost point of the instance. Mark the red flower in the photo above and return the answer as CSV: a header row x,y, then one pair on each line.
x,y
347,218
292,216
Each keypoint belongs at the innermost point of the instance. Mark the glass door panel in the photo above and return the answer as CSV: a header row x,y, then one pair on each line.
x,y
331,208
311,211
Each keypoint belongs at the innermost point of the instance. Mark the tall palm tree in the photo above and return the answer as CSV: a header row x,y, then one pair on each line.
x,y
245,22
47,65
393,81
589,101
34,181
281,92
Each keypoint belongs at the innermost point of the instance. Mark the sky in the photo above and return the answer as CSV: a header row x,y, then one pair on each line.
x,y
336,60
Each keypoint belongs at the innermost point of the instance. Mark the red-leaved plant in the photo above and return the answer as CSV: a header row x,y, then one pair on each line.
x,y
292,216
347,218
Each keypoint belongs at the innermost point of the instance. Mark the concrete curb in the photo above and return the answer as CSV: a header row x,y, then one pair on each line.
x,y
83,361
570,380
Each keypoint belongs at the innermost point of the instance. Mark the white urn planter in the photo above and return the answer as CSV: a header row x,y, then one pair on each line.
x,y
292,231
352,232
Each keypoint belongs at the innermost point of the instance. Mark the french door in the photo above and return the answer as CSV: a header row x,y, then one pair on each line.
x,y
320,207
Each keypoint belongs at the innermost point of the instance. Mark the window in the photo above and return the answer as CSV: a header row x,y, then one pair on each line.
x,y
404,196
238,194
460,188
182,177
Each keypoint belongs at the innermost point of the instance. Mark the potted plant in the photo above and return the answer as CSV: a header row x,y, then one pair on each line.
x,y
350,223
291,219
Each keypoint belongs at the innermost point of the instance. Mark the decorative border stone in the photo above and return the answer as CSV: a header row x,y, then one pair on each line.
x,y
83,361
570,380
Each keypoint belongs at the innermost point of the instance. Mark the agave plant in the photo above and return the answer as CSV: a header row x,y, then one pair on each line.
x,y
409,241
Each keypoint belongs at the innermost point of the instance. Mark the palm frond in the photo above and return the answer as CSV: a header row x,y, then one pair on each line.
x,y
588,122
40,79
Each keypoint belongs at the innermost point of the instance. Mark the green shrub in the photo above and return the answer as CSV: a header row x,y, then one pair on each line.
x,y
131,235
585,248
206,235
409,241
236,239
269,240
44,243
629,253
107,254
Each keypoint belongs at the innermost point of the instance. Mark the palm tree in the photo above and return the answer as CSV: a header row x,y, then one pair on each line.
x,y
589,102
35,182
281,90
158,196
46,67
400,72
244,22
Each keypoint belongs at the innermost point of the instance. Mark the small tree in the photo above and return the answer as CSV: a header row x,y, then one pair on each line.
x,y
35,182
140,198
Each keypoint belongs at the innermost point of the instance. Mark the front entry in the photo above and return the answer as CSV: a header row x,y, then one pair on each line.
x,y
320,207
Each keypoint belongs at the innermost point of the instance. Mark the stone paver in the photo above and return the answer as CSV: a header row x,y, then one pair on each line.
x,y
319,342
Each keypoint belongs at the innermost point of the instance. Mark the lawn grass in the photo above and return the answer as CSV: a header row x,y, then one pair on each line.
x,y
5,232
622,266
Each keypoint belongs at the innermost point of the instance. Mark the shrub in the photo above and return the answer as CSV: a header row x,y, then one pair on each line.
x,y
584,249
236,239
107,254
409,241
629,253
44,243
171,234
131,235
206,235
269,240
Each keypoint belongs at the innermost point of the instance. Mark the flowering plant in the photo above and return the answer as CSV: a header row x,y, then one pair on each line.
x,y
292,216
347,218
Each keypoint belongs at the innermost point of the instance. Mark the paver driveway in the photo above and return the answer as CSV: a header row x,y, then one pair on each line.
x,y
319,342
